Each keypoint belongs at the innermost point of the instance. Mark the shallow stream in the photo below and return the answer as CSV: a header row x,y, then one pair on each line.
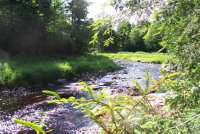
x,y
32,105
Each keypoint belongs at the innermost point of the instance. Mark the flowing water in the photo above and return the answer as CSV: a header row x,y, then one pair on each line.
x,y
32,105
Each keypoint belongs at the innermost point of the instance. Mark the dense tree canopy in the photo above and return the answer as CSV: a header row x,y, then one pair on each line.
x,y
40,27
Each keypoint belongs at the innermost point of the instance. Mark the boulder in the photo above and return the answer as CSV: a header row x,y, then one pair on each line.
x,y
61,81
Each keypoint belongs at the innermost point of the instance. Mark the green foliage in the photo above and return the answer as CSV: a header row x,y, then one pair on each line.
x,y
32,125
123,32
180,22
187,122
103,34
153,37
6,73
38,27
51,93
57,99
136,40
125,38
36,71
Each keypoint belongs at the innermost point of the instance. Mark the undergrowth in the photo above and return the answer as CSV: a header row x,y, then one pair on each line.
x,y
43,70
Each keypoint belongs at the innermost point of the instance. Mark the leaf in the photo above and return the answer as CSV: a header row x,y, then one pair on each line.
x,y
83,84
34,126
173,75
172,81
91,93
52,93
147,80
64,100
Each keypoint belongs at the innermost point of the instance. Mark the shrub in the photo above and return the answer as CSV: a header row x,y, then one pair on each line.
x,y
6,73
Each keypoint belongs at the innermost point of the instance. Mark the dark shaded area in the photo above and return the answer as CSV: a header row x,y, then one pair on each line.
x,y
44,28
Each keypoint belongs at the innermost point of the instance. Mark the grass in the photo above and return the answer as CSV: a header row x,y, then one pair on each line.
x,y
28,71
22,72
138,56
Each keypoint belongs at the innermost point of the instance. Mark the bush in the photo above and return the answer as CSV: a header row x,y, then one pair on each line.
x,y
6,73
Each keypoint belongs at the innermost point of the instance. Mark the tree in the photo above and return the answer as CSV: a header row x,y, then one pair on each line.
x,y
103,34
123,32
77,10
136,40
38,27
153,37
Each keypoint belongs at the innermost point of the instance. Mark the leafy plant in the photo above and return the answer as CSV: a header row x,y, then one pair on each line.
x,y
6,73
179,24
187,122
34,126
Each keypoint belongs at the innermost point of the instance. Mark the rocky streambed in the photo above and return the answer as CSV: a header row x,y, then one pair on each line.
x,y
32,105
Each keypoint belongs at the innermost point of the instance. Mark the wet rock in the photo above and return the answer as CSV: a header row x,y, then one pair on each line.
x,y
138,78
97,88
61,81
27,132
120,91
114,78
113,91
125,72
107,84
134,88
18,91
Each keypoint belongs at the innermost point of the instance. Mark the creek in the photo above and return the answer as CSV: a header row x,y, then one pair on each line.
x,y
32,105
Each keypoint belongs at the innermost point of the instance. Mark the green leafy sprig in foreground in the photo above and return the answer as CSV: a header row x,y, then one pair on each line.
x,y
32,125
